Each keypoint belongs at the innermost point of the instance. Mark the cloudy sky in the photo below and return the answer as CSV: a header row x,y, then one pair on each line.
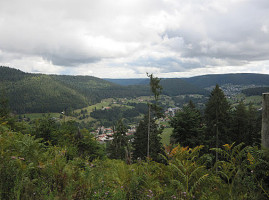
x,y
127,38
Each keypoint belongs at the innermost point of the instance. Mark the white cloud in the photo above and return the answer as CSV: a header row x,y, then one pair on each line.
x,y
129,38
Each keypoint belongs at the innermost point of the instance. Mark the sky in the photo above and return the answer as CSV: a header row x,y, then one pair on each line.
x,y
128,38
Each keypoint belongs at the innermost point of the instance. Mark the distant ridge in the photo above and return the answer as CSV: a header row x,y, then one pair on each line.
x,y
28,92
171,86
131,81
35,93
177,86
235,79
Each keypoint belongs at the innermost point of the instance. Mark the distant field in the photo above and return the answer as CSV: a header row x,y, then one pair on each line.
x,y
256,100
166,136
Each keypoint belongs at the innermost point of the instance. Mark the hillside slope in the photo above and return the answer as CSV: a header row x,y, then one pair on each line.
x,y
171,86
53,93
235,79
177,86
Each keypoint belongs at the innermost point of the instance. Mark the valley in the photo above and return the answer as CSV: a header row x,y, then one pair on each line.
x,y
60,132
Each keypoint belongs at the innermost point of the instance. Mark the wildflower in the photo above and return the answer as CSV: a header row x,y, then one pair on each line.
x,y
41,166
21,158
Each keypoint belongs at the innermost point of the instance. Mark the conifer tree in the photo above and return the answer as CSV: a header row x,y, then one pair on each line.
x,y
246,125
156,89
188,127
217,117
239,123
147,142
141,138
118,146
253,126
4,105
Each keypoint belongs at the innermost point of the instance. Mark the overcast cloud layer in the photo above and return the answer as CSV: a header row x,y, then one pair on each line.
x,y
127,38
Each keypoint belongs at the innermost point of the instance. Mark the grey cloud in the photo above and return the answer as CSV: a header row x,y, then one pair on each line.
x,y
167,64
172,36
235,34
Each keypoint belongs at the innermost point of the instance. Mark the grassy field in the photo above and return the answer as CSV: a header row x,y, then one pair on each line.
x,y
166,136
256,100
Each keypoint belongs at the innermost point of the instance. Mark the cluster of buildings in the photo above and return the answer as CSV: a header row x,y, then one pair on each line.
x,y
106,134
170,112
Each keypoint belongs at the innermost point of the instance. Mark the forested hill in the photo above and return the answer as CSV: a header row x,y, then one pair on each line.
x,y
29,92
177,86
257,91
171,86
235,79
131,81
53,93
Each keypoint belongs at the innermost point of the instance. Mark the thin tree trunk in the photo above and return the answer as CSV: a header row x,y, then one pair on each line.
x,y
148,133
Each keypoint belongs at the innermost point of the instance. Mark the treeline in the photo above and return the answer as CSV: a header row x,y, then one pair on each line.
x,y
110,116
235,79
257,91
219,124
176,86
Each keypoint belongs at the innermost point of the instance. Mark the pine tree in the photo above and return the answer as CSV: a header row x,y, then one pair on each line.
x,y
217,117
188,127
147,142
156,89
141,140
239,124
4,105
253,126
118,146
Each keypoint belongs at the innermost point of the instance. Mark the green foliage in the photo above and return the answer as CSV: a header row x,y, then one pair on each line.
x,y
155,86
67,135
4,105
109,117
235,79
141,140
217,115
31,170
189,174
188,127
156,89
241,168
245,125
257,91
54,93
177,86
119,147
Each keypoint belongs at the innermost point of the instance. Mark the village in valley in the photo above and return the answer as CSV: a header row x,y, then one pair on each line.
x,y
103,134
